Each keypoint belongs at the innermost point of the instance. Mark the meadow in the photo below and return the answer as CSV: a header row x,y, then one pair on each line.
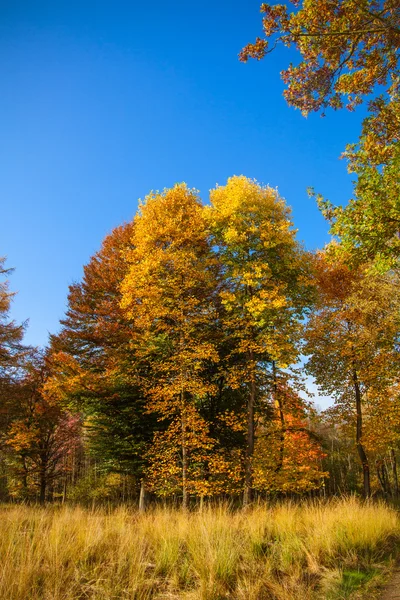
x,y
315,550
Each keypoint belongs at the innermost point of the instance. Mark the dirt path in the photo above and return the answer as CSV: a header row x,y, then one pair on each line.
x,y
392,590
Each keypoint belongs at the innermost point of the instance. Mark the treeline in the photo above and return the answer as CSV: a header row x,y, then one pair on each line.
x,y
178,370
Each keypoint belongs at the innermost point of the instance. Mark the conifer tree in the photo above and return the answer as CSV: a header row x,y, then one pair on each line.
x,y
11,334
93,369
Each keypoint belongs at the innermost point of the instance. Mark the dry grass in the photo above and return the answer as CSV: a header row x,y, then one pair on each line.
x,y
282,552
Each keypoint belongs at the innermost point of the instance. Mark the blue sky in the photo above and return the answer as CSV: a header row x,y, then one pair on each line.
x,y
103,101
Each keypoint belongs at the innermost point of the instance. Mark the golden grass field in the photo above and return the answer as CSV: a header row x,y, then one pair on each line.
x,y
319,550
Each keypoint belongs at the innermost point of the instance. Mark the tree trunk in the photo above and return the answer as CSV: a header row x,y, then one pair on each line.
x,y
50,492
185,496
394,473
64,496
142,497
25,478
387,478
360,448
279,406
383,477
43,483
248,486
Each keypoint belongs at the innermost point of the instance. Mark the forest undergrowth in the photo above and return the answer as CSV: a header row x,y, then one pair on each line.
x,y
315,550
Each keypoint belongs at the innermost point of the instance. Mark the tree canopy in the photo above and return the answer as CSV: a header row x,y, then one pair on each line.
x,y
349,52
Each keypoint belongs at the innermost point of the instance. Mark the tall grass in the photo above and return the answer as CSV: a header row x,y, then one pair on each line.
x,y
283,552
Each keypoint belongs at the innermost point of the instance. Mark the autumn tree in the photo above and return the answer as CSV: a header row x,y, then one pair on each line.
x,y
94,370
288,454
382,436
349,53
41,434
11,357
265,289
369,225
94,323
352,339
168,294
335,429
348,49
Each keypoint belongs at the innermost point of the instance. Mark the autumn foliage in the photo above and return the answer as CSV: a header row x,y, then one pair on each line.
x,y
349,54
176,369
172,351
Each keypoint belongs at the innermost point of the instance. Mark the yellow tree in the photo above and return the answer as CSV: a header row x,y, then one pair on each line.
x,y
352,339
265,290
169,293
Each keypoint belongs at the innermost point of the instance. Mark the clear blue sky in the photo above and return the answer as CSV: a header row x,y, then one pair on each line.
x,y
103,101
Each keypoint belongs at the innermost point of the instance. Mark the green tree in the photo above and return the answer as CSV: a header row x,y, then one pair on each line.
x,y
369,225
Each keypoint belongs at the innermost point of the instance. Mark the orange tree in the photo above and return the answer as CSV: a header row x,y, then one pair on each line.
x,y
349,52
348,49
287,454
93,369
41,435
